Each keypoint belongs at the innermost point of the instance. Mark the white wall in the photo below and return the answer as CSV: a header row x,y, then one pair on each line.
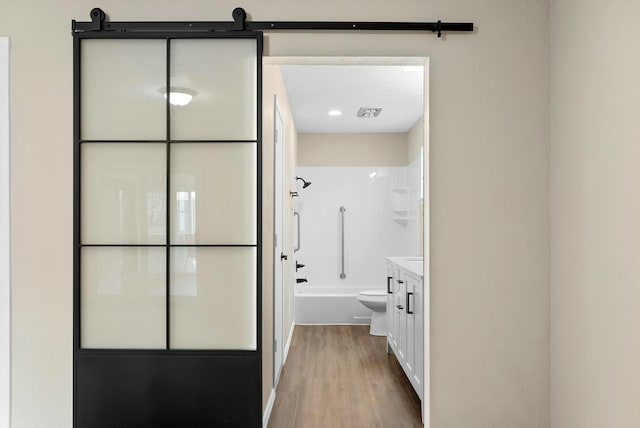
x,y
595,214
354,149
415,140
489,222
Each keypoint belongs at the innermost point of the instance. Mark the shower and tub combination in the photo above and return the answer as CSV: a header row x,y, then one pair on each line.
x,y
346,224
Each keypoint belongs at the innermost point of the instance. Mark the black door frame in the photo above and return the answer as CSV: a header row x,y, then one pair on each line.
x,y
165,387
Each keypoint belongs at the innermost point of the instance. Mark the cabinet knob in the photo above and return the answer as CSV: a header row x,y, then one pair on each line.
x,y
399,307
399,281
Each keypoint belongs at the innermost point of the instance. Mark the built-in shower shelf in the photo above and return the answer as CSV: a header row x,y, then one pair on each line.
x,y
400,198
400,215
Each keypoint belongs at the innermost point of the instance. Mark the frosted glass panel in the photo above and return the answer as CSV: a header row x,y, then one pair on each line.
x,y
213,298
222,77
123,196
213,193
123,297
122,87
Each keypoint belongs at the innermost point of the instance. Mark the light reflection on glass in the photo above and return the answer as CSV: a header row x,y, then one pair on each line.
x,y
156,214
213,193
186,212
184,267
123,297
123,199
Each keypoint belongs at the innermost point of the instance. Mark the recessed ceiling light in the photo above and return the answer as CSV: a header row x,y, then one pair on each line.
x,y
335,112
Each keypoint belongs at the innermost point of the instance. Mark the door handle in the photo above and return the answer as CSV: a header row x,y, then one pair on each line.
x,y
410,312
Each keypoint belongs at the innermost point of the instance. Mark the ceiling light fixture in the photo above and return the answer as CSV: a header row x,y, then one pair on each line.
x,y
335,112
369,112
179,96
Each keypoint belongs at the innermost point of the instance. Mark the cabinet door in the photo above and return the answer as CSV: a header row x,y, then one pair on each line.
x,y
410,325
417,307
394,314
401,317
390,306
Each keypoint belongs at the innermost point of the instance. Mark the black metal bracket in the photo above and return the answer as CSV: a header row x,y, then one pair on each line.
x,y
97,19
239,19
240,23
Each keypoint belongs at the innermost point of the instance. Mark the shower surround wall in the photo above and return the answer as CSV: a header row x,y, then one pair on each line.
x,y
371,233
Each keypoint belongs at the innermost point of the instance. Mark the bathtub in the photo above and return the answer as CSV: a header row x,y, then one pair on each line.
x,y
327,304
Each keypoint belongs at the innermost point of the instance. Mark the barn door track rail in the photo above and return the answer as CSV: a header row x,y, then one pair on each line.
x,y
240,23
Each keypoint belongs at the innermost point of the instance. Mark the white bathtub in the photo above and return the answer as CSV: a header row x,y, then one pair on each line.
x,y
330,304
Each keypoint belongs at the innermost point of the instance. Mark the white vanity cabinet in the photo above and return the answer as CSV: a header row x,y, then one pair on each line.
x,y
405,317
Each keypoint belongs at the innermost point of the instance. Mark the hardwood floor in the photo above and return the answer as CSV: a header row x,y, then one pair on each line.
x,y
342,377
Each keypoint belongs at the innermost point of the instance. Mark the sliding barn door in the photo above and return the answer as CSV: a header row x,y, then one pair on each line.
x,y
167,229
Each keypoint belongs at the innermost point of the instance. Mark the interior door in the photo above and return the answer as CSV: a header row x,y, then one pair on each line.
x,y
167,194
279,255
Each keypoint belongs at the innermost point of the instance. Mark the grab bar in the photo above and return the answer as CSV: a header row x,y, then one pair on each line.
x,y
342,210
297,247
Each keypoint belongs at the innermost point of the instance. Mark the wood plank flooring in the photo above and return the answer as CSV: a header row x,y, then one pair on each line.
x,y
342,377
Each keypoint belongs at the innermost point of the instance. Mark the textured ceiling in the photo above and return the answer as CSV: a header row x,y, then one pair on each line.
x,y
313,90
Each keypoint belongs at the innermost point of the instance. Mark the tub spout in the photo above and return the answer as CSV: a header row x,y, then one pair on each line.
x,y
299,280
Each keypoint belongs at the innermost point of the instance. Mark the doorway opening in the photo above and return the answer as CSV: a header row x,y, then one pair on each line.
x,y
368,198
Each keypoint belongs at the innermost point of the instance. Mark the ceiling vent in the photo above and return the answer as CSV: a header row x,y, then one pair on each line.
x,y
369,111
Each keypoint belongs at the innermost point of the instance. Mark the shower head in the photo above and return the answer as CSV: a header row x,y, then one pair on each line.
x,y
305,183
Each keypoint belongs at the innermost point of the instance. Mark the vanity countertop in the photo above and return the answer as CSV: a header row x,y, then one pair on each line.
x,y
414,265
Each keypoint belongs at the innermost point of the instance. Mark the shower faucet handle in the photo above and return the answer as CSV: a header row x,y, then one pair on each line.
x,y
299,266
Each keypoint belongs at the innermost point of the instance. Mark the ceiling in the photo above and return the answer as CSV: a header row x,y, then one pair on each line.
x,y
314,90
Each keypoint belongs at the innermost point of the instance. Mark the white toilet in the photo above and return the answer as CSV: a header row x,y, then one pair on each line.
x,y
376,300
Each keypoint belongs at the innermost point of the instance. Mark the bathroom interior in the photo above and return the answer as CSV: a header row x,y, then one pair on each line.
x,y
356,204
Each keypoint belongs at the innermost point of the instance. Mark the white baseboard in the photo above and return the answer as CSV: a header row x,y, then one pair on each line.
x,y
267,411
288,345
